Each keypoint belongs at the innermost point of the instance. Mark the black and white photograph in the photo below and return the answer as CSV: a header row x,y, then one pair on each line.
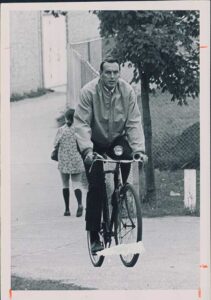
x,y
105,150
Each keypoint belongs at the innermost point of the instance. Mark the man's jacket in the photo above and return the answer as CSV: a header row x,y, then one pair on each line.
x,y
101,117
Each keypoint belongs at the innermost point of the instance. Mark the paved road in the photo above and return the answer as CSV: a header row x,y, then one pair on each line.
x,y
47,245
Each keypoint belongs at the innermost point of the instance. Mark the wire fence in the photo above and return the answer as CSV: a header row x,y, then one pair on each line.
x,y
80,71
175,133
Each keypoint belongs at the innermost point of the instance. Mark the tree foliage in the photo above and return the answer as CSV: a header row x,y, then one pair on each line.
x,y
163,45
56,13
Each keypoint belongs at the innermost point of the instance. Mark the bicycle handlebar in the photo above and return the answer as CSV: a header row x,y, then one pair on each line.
x,y
102,158
98,157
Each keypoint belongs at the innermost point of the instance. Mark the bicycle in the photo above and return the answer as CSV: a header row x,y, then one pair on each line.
x,y
123,221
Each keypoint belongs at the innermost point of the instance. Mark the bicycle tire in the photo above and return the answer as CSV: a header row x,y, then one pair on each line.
x,y
128,216
95,259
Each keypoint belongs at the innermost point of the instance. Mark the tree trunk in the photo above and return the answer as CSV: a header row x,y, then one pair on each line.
x,y
147,127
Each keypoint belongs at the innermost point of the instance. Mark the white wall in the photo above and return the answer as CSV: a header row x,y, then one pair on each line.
x,y
25,51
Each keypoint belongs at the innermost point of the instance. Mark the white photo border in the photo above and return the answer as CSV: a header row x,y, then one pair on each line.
x,y
201,292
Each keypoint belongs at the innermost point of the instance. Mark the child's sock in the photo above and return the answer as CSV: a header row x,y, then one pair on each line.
x,y
66,195
78,195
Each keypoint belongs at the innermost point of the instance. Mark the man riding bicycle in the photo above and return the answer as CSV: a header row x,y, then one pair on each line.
x,y
107,115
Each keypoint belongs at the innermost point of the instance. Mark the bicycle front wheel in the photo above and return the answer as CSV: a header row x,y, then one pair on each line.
x,y
129,222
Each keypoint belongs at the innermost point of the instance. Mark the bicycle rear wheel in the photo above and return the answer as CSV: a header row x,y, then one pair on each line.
x,y
129,222
96,260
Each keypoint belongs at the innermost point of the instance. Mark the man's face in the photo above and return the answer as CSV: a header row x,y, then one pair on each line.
x,y
110,74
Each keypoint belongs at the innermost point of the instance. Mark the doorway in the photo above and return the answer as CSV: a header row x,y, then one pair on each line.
x,y
54,42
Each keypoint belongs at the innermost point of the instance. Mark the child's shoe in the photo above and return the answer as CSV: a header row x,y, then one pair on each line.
x,y
79,211
67,213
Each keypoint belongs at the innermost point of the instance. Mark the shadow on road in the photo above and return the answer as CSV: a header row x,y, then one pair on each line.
x,y
19,283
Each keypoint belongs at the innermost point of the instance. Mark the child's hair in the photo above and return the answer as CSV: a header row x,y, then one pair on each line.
x,y
69,114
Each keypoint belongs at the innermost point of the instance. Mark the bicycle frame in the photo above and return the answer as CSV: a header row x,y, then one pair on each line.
x,y
115,202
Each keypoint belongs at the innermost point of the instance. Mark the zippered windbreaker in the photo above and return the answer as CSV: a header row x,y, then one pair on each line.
x,y
101,119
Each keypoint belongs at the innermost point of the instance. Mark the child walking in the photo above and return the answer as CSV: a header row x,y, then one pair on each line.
x,y
69,162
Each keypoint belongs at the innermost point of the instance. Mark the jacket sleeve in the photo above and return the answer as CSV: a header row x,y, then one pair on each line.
x,y
82,121
134,129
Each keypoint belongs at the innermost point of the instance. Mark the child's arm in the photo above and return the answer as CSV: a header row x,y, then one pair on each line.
x,y
57,137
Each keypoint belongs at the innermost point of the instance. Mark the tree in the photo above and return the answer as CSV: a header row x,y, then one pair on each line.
x,y
56,13
162,46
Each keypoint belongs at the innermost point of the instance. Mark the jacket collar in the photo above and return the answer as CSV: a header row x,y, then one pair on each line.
x,y
101,86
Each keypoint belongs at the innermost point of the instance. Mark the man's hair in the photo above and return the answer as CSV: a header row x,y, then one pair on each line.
x,y
69,114
109,60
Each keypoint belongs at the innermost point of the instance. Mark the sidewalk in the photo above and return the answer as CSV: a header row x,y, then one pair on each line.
x,y
47,245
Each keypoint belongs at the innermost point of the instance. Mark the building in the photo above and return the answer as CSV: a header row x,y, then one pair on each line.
x,y
26,71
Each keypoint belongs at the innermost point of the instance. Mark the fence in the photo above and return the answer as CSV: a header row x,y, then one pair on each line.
x,y
175,133
79,72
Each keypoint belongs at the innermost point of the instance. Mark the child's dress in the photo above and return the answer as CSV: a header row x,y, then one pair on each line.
x,y
69,159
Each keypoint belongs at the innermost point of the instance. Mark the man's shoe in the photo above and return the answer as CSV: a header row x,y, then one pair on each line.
x,y
79,211
96,246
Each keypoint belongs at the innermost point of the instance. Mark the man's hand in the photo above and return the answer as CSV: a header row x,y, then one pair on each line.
x,y
89,158
140,155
